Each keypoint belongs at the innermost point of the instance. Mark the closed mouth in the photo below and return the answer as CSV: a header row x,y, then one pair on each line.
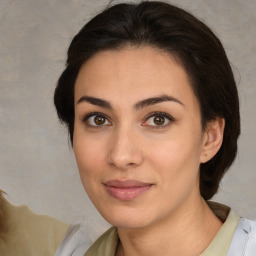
x,y
126,190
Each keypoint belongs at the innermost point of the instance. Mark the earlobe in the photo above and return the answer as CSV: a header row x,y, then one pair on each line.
x,y
212,140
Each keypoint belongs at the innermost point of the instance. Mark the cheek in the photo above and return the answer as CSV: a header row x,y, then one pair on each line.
x,y
89,157
176,150
89,166
177,170
177,158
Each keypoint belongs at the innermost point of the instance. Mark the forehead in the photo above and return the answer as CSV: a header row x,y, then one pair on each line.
x,y
133,73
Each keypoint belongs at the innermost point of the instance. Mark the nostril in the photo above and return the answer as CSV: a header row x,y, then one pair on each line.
x,y
125,159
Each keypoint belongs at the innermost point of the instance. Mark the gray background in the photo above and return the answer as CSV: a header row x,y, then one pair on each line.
x,y
37,165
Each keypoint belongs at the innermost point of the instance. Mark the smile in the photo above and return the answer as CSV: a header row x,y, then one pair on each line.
x,y
126,190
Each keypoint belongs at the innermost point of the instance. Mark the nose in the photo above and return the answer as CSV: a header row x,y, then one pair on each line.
x,y
125,150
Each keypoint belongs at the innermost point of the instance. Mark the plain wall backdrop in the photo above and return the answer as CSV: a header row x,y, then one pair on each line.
x,y
37,165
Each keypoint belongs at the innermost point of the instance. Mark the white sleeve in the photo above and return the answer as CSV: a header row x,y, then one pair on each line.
x,y
75,243
244,239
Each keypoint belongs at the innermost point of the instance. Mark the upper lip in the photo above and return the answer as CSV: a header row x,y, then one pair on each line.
x,y
126,183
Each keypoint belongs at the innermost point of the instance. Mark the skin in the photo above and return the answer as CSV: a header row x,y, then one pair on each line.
x,y
130,145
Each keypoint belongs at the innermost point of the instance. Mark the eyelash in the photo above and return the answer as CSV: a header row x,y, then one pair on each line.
x,y
161,114
94,114
154,114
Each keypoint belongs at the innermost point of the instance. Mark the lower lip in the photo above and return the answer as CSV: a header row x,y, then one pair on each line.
x,y
127,194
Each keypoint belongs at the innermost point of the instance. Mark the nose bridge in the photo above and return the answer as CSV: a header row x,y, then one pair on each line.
x,y
124,150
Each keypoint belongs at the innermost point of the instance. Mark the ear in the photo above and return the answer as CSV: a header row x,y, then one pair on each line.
x,y
212,139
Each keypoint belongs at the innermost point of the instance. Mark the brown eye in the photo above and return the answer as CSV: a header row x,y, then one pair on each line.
x,y
99,120
96,120
159,120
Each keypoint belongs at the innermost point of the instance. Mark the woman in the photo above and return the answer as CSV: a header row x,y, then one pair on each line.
x,y
152,109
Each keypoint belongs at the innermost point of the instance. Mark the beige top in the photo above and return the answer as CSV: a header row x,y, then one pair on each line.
x,y
25,233
106,244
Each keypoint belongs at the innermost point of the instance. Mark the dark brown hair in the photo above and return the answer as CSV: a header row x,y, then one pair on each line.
x,y
190,41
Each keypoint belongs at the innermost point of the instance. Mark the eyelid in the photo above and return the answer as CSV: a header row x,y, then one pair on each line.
x,y
165,115
87,116
150,115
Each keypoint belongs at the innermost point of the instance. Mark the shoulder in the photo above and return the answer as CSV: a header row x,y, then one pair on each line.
x,y
244,239
77,242
105,245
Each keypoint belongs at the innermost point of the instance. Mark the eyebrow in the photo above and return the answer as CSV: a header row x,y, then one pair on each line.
x,y
95,101
156,100
139,105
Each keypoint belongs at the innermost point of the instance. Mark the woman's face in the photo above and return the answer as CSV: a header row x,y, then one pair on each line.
x,y
138,139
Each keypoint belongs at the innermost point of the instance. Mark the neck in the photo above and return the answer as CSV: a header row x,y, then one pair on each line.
x,y
187,232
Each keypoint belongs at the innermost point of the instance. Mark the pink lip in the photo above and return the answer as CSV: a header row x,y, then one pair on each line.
x,y
126,190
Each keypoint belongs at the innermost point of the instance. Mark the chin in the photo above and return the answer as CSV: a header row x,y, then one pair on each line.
x,y
126,223
127,218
